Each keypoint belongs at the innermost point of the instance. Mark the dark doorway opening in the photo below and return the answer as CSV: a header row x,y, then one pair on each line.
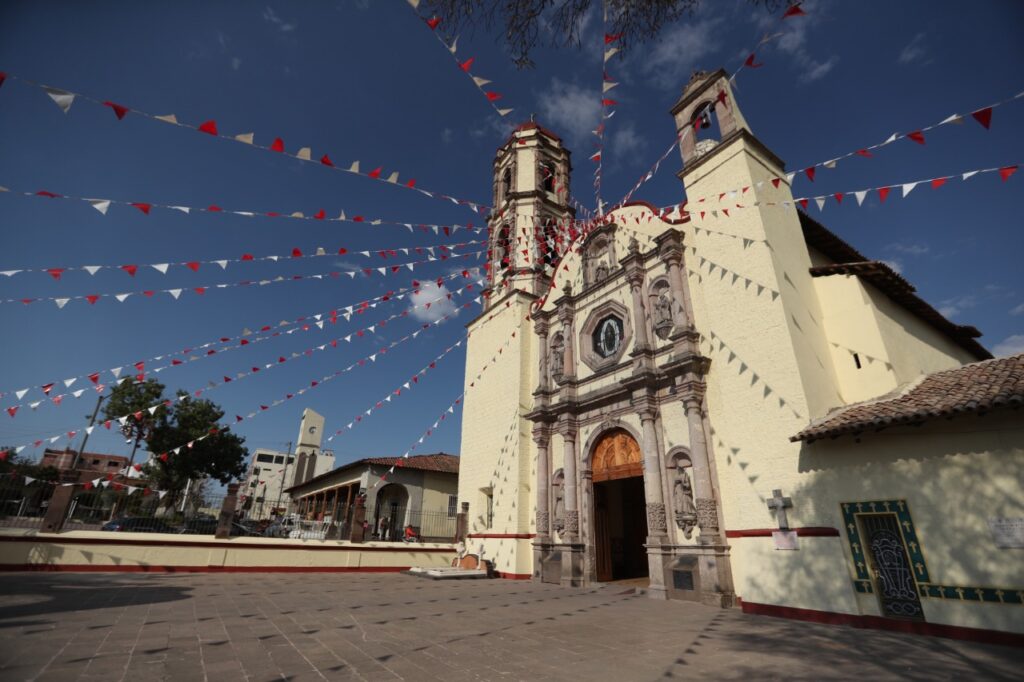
x,y
620,522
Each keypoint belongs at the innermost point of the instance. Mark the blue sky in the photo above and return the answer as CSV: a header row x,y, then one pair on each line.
x,y
367,81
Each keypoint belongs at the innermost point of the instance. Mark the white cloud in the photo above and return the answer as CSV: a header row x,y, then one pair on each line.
x,y
909,249
915,51
1011,345
625,140
434,296
681,49
794,41
954,306
236,63
570,109
1019,310
447,135
270,16
895,265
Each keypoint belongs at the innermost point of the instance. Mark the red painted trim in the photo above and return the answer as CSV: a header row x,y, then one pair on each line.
x,y
125,539
514,576
138,568
516,536
809,532
879,623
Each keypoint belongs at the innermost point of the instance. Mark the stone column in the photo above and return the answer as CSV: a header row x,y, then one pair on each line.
x,y
462,523
572,514
227,512
657,528
542,439
565,316
356,533
704,493
635,277
57,510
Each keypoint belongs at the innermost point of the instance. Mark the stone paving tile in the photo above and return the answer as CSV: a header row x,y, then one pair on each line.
x,y
293,627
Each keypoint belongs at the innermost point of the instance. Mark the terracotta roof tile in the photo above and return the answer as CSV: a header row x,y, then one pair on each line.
x,y
977,387
440,462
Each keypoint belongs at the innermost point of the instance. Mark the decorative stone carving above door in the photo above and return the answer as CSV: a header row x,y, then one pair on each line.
x,y
616,455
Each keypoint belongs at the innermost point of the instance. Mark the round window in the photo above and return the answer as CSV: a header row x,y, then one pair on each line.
x,y
608,336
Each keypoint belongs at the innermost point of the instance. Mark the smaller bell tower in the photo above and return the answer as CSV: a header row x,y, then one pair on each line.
x,y
529,225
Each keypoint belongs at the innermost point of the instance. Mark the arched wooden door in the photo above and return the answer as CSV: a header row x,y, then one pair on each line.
x,y
620,521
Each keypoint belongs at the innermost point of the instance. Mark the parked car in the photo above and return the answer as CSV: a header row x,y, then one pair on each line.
x,y
280,528
208,526
138,524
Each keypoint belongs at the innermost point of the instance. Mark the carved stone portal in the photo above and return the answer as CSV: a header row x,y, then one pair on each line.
x,y
616,455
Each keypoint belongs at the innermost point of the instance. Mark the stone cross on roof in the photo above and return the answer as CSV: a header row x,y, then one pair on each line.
x,y
780,504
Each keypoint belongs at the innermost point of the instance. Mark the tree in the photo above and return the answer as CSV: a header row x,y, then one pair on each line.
x,y
221,455
131,401
635,21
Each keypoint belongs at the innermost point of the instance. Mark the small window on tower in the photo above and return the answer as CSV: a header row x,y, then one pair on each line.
x,y
856,360
547,177
504,254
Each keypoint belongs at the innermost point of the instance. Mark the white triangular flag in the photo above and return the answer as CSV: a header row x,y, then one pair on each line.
x,y
68,382
608,85
92,269
820,201
61,302
183,209
908,188
504,112
174,292
20,393
480,82
393,178
120,297
169,118
608,54
953,118
969,174
860,196
100,205
354,168
244,137
304,153
62,98
222,263
161,267
892,138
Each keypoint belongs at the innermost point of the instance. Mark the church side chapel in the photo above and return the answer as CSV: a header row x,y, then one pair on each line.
x,y
734,407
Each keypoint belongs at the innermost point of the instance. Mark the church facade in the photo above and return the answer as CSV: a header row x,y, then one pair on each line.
x,y
732,404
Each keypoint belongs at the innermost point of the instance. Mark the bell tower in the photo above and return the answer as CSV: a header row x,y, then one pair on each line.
x,y
531,219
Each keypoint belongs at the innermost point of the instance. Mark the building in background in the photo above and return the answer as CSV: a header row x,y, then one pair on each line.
x,y
421,492
264,491
90,462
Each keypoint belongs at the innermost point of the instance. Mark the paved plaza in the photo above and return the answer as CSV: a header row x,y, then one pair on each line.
x,y
299,627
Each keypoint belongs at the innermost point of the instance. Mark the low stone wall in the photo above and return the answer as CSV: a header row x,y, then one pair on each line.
x,y
30,550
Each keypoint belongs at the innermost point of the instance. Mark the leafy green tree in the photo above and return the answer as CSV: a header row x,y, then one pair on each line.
x,y
132,400
220,456
524,22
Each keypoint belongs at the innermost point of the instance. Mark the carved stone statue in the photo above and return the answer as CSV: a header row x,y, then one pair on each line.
x,y
682,498
601,272
557,360
663,315
559,515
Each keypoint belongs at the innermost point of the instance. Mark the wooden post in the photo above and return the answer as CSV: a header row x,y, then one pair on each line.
x,y
227,513
358,516
348,505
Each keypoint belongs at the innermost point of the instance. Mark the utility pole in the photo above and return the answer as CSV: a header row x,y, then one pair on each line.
x,y
284,475
85,438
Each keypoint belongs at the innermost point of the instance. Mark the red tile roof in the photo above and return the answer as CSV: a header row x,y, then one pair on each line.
x,y
977,387
448,464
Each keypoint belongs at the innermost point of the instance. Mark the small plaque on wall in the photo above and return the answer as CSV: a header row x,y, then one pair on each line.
x,y
1008,533
785,539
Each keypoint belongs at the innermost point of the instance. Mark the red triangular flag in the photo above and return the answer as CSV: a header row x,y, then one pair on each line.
x,y
917,136
839,197
321,214
983,116
200,290
608,102
296,252
863,152
55,272
375,173
750,62
278,145
803,202
810,173
610,38
433,22
1006,171
247,256
465,66
938,182
883,192
94,377
145,208
92,298
130,269
12,410
120,111
411,183
209,127
794,11
214,208
776,181
193,266
492,96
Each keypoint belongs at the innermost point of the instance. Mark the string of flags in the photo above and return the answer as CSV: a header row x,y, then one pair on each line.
x,y
176,293
146,207
65,98
216,429
142,369
465,66
450,410
609,50
882,191
106,481
219,345
296,253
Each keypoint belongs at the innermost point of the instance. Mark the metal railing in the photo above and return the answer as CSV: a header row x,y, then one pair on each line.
x,y
389,524
22,504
